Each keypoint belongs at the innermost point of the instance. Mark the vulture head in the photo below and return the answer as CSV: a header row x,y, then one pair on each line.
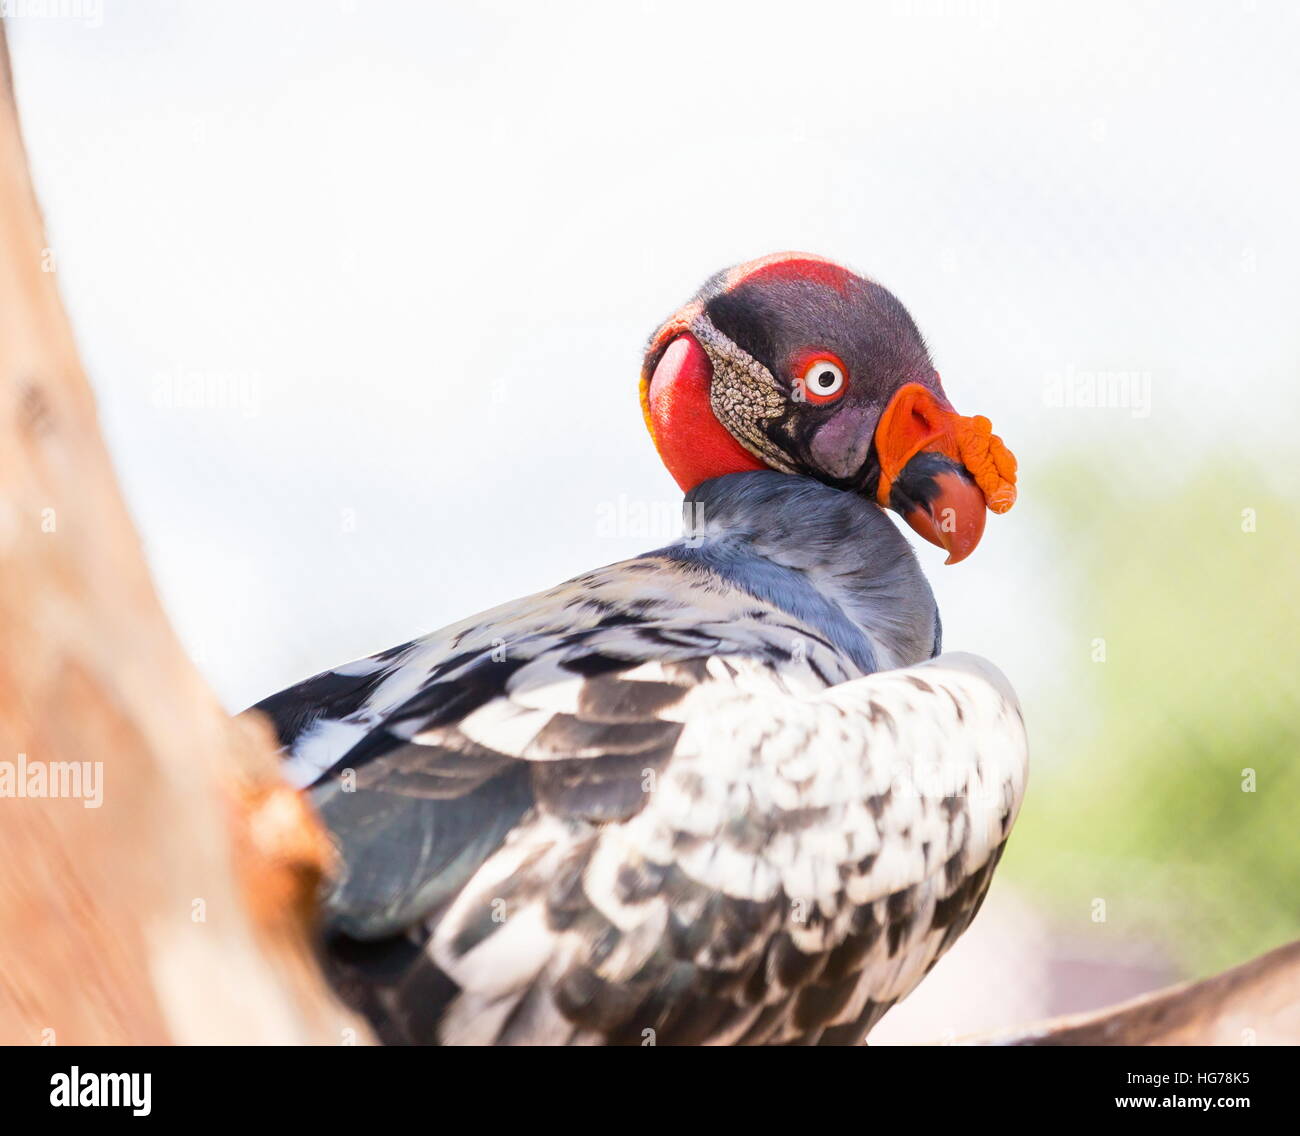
x,y
793,363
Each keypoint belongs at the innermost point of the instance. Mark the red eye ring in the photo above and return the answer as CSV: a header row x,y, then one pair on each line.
x,y
820,378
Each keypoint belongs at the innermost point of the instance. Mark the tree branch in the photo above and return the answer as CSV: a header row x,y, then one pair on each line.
x,y
1257,1003
174,908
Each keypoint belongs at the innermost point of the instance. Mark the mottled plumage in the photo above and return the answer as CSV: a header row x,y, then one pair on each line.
x,y
667,796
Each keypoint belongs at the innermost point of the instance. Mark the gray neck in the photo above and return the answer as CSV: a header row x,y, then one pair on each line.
x,y
830,558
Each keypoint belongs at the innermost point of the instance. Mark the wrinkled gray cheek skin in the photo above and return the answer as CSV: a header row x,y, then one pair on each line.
x,y
842,443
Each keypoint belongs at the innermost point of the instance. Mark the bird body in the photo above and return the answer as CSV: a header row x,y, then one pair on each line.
x,y
723,792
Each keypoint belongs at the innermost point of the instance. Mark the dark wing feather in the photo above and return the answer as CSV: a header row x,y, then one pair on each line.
x,y
416,805
329,695
406,855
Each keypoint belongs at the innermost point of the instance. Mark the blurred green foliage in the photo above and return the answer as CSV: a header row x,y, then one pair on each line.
x,y
1138,762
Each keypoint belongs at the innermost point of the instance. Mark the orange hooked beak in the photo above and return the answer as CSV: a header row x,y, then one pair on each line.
x,y
941,471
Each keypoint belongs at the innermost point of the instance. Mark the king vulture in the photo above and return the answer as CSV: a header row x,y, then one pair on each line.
x,y
726,792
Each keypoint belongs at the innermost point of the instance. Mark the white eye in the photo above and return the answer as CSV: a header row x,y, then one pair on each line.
x,y
823,379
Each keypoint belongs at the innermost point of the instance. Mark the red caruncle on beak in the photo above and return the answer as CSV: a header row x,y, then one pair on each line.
x,y
940,470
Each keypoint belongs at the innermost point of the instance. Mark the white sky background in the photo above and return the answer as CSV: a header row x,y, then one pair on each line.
x,y
415,251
